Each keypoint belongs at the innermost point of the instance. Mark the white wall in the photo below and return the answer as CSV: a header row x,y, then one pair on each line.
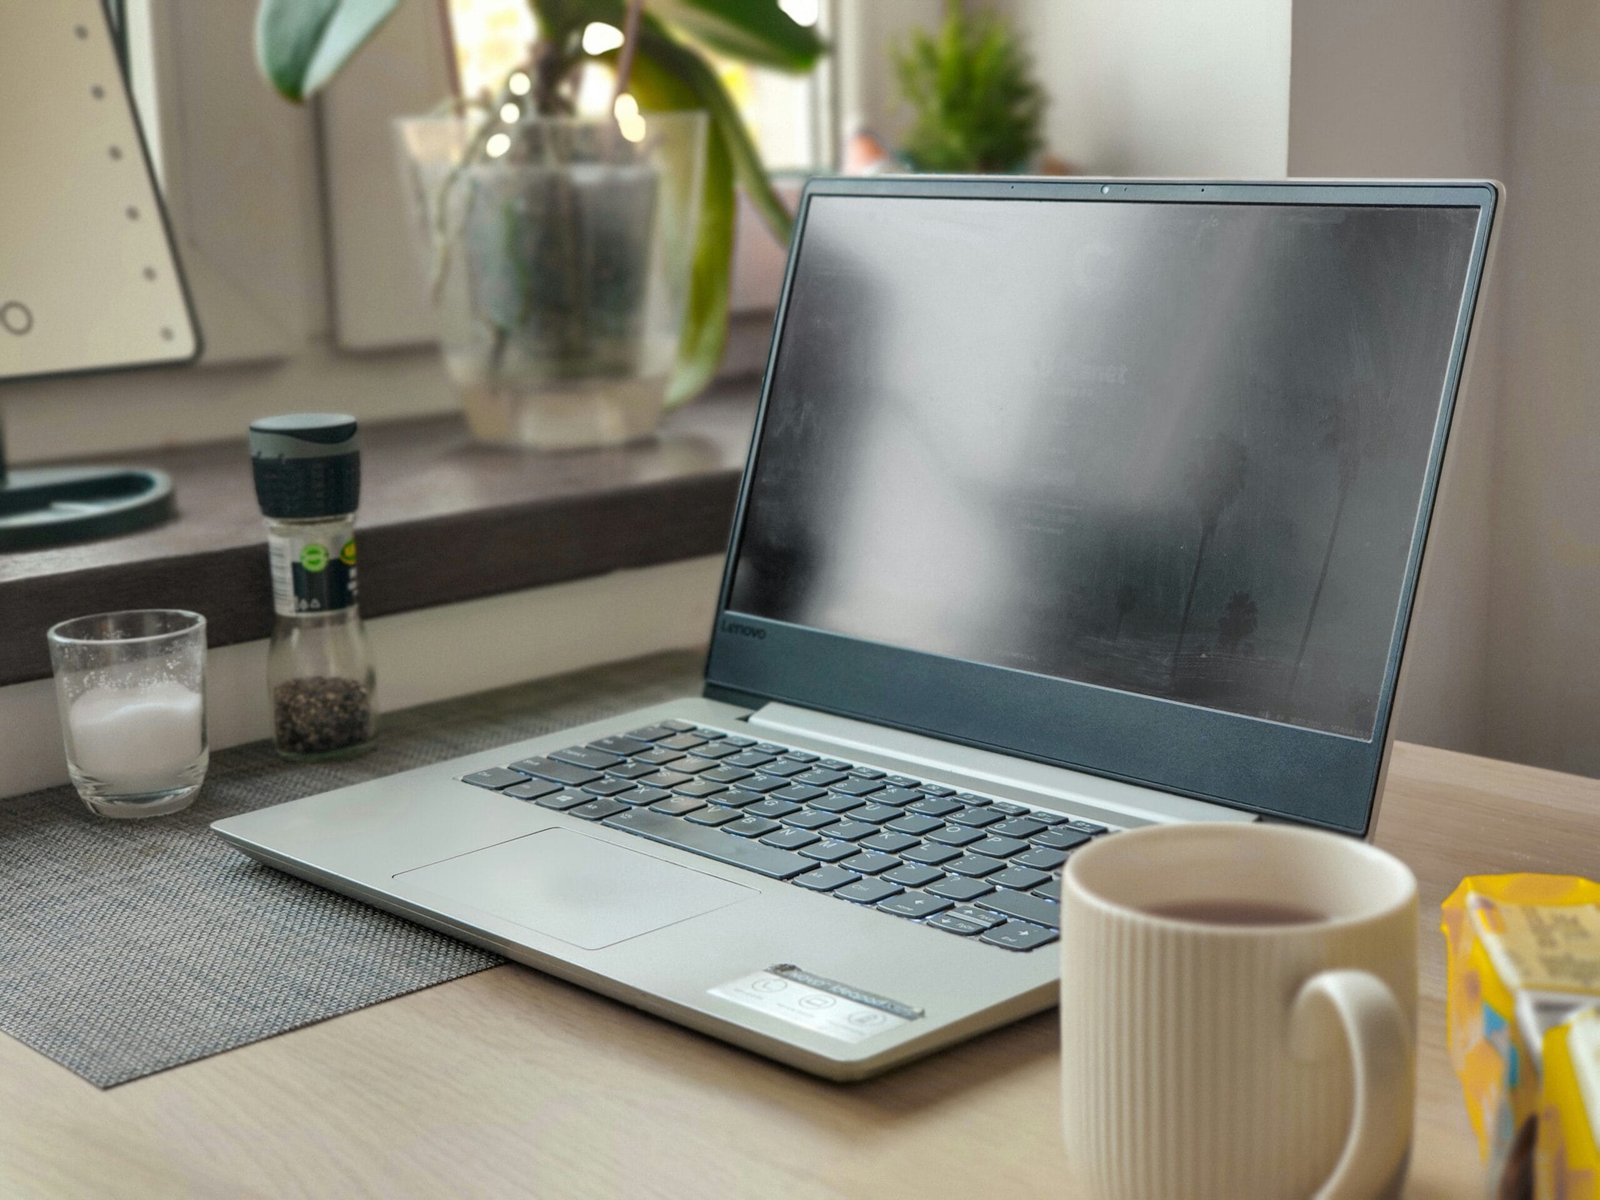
x,y
1163,87
1544,616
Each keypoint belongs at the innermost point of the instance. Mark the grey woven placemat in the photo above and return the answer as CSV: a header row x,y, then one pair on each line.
x,y
127,947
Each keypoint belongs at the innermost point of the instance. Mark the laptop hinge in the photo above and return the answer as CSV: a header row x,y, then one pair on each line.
x,y
919,754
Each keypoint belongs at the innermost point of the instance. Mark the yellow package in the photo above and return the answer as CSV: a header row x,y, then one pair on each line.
x,y
1522,953
1567,1158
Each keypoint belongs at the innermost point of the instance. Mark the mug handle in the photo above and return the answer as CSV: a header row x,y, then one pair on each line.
x,y
1380,1041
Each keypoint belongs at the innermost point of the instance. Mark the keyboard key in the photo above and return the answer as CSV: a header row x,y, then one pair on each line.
x,y
716,750
771,748
954,835
889,843
809,818
630,770
1061,839
802,756
868,891
659,758
652,733
859,787
620,743
915,824
799,793
784,768
772,807
665,779
999,847
1041,858
705,731
1024,908
714,814
725,774
1048,818
950,923
1088,827
876,814
977,916
934,806
830,851
938,789
820,777
1051,890
700,788
749,758
1010,809
1019,827
763,784
608,787
710,843
930,856
682,741
750,827
973,799
974,864
825,879
584,756
977,818
560,772
563,800
598,810
857,772
897,796
679,725
1018,935
850,830
738,797
532,789
870,862
957,888
789,839
692,765
1024,879
743,743
905,781
914,875
914,904
676,806
495,778
640,796
835,803
837,764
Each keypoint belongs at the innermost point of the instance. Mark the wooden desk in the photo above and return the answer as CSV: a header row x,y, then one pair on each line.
x,y
509,1083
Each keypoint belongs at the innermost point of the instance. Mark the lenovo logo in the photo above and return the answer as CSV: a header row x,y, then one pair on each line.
x,y
749,631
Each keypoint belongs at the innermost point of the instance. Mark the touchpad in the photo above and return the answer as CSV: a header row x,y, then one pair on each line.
x,y
579,889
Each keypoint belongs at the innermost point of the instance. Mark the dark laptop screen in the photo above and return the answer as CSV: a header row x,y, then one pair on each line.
x,y
1169,448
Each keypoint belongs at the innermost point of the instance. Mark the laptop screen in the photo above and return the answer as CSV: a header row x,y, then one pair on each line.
x,y
1173,449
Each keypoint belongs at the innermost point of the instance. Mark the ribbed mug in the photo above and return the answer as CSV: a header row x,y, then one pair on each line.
x,y
1238,1015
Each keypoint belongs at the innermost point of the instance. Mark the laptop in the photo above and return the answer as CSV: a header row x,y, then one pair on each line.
x,y
1072,506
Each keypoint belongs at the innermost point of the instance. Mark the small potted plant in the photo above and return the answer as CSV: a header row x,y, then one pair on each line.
x,y
579,264
976,107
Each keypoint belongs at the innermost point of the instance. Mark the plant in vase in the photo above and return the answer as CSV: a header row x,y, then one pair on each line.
x,y
579,264
976,107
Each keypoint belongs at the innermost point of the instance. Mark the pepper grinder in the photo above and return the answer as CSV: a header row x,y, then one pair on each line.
x,y
307,469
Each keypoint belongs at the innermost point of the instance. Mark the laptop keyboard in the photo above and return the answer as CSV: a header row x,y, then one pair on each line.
x,y
967,864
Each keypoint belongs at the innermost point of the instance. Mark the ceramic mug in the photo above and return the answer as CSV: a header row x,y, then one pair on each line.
x,y
1238,1015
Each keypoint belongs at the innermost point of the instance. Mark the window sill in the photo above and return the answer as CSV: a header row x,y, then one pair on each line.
x,y
442,520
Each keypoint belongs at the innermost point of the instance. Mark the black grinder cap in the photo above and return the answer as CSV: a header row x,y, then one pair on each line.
x,y
306,465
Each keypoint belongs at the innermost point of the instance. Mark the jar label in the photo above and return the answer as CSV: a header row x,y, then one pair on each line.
x,y
311,576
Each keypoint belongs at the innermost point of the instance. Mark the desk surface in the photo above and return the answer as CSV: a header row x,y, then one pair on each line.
x,y
509,1082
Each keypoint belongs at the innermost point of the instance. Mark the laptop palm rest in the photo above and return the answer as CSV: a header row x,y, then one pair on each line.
x,y
578,889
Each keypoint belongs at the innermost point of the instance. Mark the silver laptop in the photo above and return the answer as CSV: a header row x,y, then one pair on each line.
x,y
1072,506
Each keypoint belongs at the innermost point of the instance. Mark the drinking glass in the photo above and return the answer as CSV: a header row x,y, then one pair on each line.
x,y
131,689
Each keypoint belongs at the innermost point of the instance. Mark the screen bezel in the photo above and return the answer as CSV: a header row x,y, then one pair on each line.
x,y
1284,771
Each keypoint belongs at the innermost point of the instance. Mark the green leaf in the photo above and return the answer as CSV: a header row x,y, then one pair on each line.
x,y
301,44
705,323
754,31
